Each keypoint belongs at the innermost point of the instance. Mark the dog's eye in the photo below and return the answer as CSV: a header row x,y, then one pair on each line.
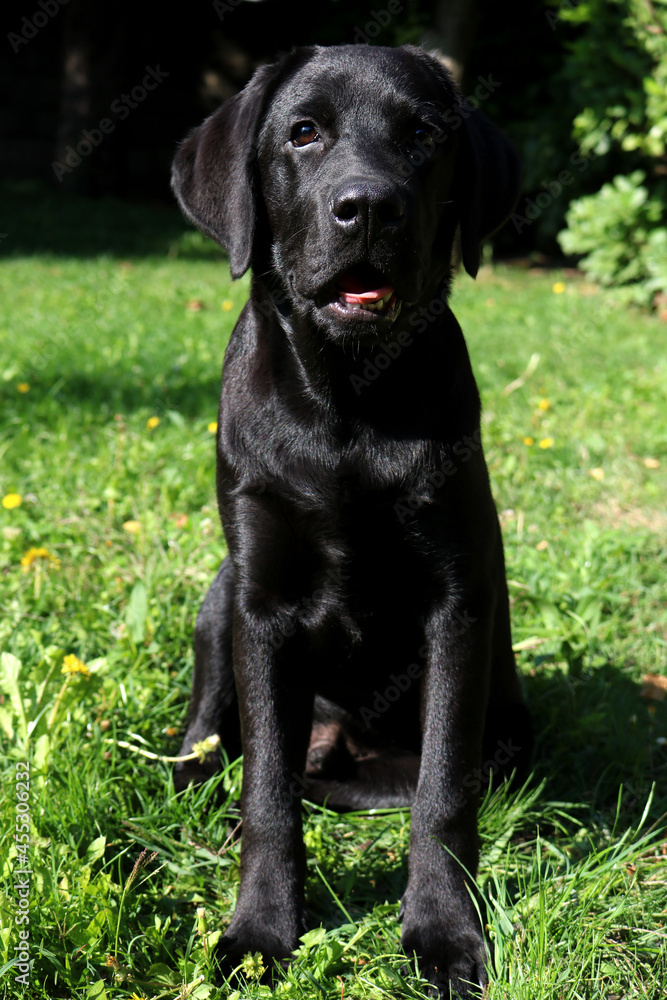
x,y
304,133
422,141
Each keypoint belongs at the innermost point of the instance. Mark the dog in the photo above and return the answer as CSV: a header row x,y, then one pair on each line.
x,y
355,644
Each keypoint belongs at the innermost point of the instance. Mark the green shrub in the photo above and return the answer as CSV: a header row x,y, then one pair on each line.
x,y
619,231
617,73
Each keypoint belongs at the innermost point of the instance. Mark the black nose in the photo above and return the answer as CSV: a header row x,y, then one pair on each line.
x,y
366,204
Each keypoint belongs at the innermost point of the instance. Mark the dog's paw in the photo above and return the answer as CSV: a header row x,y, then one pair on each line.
x,y
275,944
196,772
463,978
451,955
245,955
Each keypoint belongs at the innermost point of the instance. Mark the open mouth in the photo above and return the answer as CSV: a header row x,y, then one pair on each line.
x,y
363,293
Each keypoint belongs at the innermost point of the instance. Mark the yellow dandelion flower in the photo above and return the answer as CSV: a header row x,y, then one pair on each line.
x,y
253,965
132,527
650,463
543,404
541,546
546,443
558,288
36,556
152,422
23,387
213,427
12,500
529,441
596,474
72,665
227,305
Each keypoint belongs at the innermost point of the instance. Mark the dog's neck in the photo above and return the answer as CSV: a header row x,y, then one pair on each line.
x,y
394,385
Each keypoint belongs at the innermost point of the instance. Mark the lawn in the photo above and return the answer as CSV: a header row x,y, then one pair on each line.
x,y
113,323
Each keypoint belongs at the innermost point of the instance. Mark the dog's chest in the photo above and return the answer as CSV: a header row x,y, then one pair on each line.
x,y
377,517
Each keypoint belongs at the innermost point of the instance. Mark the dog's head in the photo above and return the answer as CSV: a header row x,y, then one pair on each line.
x,y
344,173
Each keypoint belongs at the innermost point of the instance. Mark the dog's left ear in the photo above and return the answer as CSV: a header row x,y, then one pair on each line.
x,y
214,171
488,184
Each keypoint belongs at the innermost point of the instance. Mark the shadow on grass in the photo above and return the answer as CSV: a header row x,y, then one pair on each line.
x,y
107,394
594,732
36,220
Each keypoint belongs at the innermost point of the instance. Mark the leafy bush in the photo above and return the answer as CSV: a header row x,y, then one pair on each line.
x,y
617,71
619,231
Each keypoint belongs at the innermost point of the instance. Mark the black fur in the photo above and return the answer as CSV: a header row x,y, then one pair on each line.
x,y
359,628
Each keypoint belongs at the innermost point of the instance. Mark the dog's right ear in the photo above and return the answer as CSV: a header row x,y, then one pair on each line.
x,y
213,171
488,185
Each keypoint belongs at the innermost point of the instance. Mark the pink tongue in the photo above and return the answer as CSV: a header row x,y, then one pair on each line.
x,y
354,292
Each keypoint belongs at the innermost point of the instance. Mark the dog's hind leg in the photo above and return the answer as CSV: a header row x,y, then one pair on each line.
x,y
349,768
213,703
385,779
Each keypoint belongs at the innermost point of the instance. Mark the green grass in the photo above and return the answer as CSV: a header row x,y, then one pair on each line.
x,y
94,318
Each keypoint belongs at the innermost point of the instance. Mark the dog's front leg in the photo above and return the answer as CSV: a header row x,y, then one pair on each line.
x,y
275,703
440,922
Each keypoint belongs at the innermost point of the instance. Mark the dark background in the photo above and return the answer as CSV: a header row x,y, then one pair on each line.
x,y
63,76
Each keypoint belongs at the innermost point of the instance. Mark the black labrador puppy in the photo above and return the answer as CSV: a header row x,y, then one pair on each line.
x,y
355,644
